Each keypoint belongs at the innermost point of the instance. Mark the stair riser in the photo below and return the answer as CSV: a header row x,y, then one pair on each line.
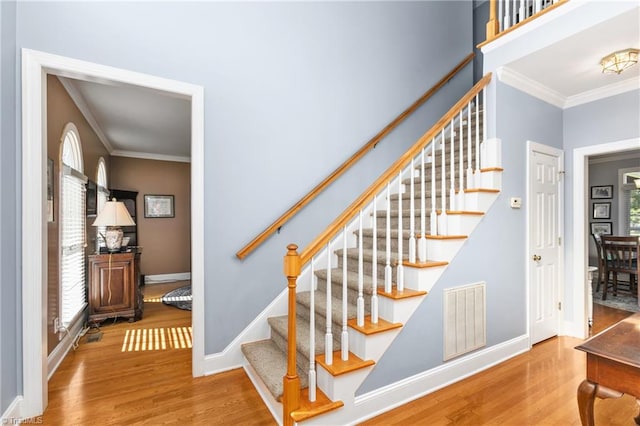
x,y
381,223
352,265
302,361
367,243
321,321
352,293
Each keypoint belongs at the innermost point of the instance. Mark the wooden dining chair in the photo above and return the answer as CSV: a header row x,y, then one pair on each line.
x,y
602,278
621,256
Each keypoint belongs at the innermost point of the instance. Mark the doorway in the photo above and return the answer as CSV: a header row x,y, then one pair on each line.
x,y
580,242
35,66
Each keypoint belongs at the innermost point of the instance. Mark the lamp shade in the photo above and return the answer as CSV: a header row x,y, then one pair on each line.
x,y
114,213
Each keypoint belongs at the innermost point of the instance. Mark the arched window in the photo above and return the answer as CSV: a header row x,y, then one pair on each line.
x,y
103,196
72,227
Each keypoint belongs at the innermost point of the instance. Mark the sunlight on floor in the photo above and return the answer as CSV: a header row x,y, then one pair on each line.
x,y
157,339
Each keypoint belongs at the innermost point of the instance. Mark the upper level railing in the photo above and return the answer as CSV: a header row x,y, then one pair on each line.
x,y
507,15
260,238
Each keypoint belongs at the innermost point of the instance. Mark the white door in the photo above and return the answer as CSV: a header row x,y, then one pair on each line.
x,y
545,204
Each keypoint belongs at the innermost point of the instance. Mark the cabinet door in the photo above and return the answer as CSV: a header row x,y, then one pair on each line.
x,y
112,286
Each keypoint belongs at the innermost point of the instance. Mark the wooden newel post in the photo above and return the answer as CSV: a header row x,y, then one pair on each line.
x,y
492,26
291,381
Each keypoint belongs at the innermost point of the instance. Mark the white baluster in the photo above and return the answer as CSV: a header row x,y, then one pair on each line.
x,y
477,176
469,155
484,116
344,337
387,268
460,198
500,16
522,12
422,245
452,169
433,221
328,337
507,13
312,336
374,271
360,301
412,214
399,267
442,220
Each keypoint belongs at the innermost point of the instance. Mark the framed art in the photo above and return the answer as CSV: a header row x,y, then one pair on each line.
x,y
49,190
92,198
601,228
158,206
602,192
602,210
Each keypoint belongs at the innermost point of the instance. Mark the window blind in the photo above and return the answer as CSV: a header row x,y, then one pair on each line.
x,y
72,266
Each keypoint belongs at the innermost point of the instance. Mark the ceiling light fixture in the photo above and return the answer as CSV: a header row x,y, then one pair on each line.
x,y
619,61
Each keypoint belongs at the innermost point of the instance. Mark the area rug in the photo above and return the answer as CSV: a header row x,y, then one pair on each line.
x,y
180,298
623,301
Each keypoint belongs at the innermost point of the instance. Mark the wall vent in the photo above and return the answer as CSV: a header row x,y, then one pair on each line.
x,y
464,319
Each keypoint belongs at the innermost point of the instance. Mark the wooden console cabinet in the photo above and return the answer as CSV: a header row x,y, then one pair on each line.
x,y
114,286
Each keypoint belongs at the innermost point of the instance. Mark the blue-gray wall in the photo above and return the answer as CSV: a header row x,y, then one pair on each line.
x,y
419,347
292,89
611,119
10,330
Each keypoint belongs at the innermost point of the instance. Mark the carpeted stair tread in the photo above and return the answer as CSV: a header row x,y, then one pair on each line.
x,y
337,277
367,255
271,365
320,299
280,326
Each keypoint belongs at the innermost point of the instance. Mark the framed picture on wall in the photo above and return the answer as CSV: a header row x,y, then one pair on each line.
x,y
158,206
602,192
601,228
602,210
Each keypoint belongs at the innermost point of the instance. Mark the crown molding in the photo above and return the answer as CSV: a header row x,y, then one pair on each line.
x,y
149,156
540,91
603,92
531,87
82,105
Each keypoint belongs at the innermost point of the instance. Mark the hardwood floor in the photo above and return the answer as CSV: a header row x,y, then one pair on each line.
x,y
105,383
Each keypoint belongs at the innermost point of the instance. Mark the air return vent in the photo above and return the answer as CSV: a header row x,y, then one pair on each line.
x,y
464,319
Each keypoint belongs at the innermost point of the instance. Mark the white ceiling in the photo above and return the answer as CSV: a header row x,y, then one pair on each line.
x,y
135,121
140,122
571,69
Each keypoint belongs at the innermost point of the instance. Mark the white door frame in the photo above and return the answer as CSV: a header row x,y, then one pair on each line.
x,y
35,66
579,325
546,149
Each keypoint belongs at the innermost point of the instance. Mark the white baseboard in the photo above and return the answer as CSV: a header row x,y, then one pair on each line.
x,y
62,349
232,357
414,387
165,278
13,412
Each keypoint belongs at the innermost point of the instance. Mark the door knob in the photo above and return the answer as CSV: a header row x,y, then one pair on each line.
x,y
536,257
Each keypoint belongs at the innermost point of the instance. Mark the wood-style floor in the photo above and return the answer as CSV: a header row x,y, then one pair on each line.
x,y
105,383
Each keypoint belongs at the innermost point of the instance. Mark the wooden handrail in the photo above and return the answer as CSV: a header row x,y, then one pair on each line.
x,y
387,176
493,26
246,250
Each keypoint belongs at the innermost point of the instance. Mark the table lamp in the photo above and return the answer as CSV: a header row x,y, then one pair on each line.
x,y
113,215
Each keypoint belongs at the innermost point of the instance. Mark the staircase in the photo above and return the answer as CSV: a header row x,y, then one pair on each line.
x,y
357,291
